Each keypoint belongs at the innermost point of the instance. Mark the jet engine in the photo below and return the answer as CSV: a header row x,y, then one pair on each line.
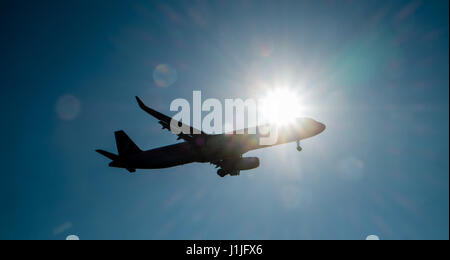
x,y
234,166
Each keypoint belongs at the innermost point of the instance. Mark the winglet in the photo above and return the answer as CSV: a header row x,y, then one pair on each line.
x,y
141,104
151,111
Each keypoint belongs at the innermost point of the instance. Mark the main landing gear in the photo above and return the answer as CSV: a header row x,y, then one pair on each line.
x,y
299,148
222,173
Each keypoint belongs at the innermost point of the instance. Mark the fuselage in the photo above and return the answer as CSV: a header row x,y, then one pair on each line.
x,y
218,147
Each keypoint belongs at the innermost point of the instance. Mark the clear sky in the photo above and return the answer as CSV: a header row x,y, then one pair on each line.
x,y
375,72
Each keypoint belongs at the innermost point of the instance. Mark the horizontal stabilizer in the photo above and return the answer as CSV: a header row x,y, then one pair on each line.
x,y
108,155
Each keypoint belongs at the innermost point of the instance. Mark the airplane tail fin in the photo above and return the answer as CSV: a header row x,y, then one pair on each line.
x,y
125,145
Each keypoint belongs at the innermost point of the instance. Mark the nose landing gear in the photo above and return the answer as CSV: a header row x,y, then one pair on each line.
x,y
299,148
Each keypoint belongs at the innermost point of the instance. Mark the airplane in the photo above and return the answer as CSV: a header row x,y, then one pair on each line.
x,y
225,151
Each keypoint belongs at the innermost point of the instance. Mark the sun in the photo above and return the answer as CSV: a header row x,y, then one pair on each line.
x,y
280,106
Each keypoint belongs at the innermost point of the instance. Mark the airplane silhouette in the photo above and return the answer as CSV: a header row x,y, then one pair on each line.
x,y
222,150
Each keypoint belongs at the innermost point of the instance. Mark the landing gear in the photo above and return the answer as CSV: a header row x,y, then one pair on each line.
x,y
235,173
222,173
299,148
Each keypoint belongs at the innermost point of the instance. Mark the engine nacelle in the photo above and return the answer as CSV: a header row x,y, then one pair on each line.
x,y
241,164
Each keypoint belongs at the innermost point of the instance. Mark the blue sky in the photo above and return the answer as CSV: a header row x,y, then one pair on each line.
x,y
375,72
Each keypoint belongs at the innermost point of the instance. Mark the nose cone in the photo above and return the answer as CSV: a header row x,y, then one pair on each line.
x,y
321,127
308,127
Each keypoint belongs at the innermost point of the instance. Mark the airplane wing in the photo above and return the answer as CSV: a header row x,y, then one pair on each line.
x,y
165,122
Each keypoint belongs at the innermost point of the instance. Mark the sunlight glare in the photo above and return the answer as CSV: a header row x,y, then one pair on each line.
x,y
281,106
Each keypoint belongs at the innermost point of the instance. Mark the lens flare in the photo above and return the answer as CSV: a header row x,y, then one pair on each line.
x,y
164,75
68,107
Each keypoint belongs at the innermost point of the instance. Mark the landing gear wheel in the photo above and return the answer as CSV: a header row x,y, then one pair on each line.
x,y
299,148
222,173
